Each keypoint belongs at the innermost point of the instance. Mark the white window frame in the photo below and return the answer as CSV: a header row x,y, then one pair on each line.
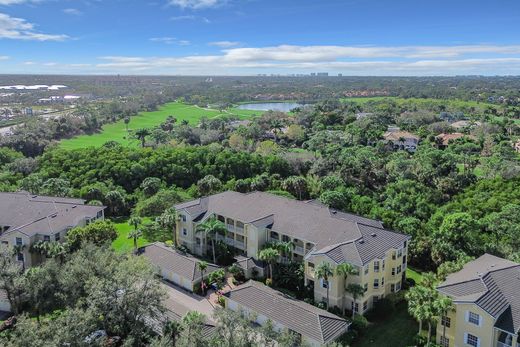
x,y
473,318
376,283
467,337
444,341
376,265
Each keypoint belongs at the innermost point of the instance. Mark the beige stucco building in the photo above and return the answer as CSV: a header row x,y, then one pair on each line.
x,y
26,219
318,234
486,300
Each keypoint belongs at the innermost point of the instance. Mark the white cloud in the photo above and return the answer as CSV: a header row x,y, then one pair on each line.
x,y
224,44
170,41
190,17
409,60
196,4
20,29
4,57
16,2
72,11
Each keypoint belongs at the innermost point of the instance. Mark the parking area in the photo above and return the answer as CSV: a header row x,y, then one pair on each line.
x,y
180,301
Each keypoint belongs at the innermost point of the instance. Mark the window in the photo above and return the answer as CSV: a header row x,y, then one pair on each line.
x,y
392,288
197,241
57,237
393,255
183,217
399,253
399,269
5,243
472,340
19,241
355,307
376,266
393,271
365,287
382,281
19,256
366,270
445,342
474,318
46,238
404,244
286,238
398,286
446,321
365,306
376,283
324,284
383,265
184,231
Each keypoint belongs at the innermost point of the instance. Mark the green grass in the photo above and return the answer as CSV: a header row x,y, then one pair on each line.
x,y
398,330
413,274
117,131
123,243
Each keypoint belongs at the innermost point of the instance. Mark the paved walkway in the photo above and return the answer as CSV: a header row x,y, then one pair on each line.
x,y
180,301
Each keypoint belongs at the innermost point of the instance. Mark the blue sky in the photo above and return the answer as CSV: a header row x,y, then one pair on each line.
x,y
235,37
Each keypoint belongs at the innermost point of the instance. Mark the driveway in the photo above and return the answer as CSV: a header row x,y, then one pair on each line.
x,y
180,302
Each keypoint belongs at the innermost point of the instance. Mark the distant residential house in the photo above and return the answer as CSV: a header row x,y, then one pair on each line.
x,y
465,124
260,303
26,219
176,267
516,146
402,140
443,140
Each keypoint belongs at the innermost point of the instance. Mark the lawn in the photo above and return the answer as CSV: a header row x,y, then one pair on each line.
x,y
413,274
117,131
123,243
398,330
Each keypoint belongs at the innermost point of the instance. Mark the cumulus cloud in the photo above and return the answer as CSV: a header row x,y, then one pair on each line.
x,y
20,29
224,44
196,4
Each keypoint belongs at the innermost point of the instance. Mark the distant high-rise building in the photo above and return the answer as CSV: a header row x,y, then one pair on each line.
x,y
340,75
322,74
28,111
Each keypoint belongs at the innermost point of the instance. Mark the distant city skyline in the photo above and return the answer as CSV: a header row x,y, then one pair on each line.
x,y
251,37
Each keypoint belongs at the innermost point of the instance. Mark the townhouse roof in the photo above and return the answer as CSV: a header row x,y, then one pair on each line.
x,y
44,215
305,319
175,261
305,220
493,284
446,138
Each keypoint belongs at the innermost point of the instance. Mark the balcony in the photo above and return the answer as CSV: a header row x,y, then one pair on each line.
x,y
239,230
239,244
229,241
230,227
502,344
299,250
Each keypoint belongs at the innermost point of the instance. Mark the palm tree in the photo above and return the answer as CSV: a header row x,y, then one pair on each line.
x,y
141,135
269,255
168,220
57,250
172,329
135,234
284,248
417,298
344,270
356,291
126,120
210,229
202,267
135,221
442,305
324,271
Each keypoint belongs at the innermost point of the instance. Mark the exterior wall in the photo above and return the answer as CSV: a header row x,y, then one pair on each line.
x,y
176,279
5,306
261,320
338,296
486,332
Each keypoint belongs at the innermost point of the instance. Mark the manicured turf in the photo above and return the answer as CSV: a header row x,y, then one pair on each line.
x,y
413,274
123,243
398,330
117,131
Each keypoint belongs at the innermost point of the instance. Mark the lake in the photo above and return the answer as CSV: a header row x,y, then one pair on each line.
x,y
270,106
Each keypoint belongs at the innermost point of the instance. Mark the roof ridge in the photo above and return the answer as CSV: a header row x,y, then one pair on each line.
x,y
479,277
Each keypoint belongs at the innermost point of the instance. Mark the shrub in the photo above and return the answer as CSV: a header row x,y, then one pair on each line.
x,y
359,323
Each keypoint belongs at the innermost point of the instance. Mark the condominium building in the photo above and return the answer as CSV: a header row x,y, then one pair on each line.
x,y
486,300
318,234
26,219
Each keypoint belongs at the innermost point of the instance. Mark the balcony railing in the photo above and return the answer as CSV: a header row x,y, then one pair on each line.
x,y
240,244
229,241
502,344
230,227
239,230
299,250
